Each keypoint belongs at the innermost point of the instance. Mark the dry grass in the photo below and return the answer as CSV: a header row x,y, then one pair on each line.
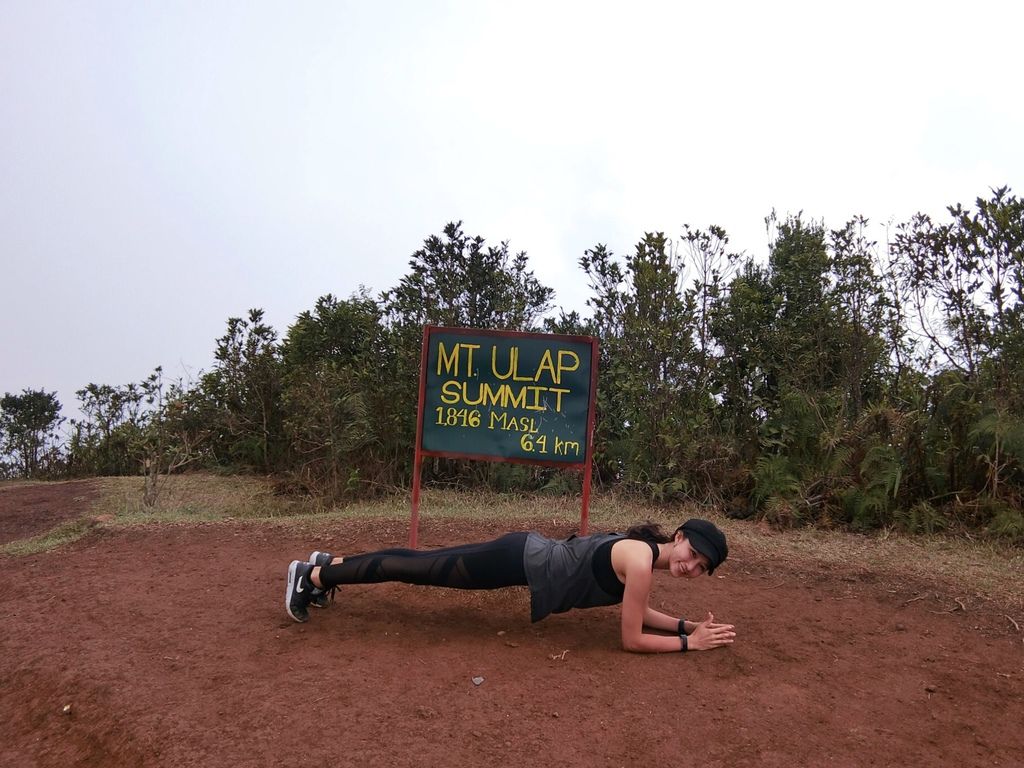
x,y
15,483
63,534
199,496
959,566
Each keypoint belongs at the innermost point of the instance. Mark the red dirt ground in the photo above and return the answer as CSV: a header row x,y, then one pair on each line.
x,y
171,647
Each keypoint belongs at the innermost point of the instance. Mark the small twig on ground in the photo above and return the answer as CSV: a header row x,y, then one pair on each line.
x,y
960,603
1015,624
915,599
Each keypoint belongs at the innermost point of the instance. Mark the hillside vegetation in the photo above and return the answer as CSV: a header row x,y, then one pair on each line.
x,y
836,382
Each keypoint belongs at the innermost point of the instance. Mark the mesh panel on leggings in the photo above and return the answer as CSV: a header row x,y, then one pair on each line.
x,y
490,565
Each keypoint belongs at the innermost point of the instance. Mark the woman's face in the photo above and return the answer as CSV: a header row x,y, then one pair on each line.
x,y
684,560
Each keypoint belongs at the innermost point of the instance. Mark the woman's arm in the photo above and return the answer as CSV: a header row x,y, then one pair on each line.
x,y
635,563
636,612
634,639
658,620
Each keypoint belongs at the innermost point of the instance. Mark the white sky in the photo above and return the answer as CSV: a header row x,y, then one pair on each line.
x,y
168,165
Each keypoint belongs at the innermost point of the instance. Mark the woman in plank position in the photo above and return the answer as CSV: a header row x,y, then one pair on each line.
x,y
578,572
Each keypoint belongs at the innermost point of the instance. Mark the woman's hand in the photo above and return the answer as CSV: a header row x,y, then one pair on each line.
x,y
708,635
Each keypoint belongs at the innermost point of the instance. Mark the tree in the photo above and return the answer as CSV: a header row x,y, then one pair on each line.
x,y
862,312
742,325
457,281
709,265
173,432
243,394
803,356
775,327
607,291
28,425
151,426
653,358
101,443
340,429
646,383
804,343
965,277
654,313
454,280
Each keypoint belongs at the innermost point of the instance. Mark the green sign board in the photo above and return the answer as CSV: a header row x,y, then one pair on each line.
x,y
507,396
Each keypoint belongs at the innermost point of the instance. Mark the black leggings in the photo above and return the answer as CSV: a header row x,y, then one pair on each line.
x,y
489,565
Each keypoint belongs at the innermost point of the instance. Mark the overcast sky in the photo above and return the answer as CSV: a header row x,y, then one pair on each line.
x,y
168,165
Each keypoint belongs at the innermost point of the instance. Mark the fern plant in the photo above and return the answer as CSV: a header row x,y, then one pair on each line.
x,y
1008,523
773,478
920,518
998,436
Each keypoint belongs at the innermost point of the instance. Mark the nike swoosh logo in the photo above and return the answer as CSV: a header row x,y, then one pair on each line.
x,y
298,583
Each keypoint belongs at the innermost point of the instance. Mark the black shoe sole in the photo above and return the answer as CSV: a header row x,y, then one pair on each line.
x,y
298,613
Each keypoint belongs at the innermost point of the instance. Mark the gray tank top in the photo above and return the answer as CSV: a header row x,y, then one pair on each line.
x,y
561,576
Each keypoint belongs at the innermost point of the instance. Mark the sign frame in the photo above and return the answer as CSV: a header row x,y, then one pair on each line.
x,y
584,465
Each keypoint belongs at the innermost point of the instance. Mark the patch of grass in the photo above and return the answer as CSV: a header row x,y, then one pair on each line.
x,y
16,483
197,496
962,565
607,512
62,535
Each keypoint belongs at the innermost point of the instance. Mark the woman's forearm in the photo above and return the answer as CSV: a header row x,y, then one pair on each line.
x,y
658,620
647,643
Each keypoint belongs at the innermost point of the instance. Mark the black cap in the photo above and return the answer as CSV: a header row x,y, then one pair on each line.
x,y
706,539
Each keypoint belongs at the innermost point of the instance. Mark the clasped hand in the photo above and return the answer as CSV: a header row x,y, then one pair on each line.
x,y
709,634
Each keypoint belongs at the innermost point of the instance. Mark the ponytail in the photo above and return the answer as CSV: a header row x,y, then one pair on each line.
x,y
650,532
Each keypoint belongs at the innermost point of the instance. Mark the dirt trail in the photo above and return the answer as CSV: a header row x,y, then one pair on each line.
x,y
171,646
